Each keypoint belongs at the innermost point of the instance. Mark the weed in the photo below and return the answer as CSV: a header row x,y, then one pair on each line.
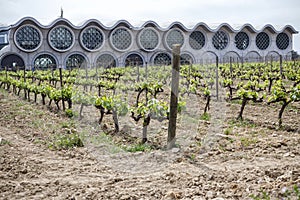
x,y
67,124
205,117
69,113
246,142
4,142
199,143
228,131
138,147
69,141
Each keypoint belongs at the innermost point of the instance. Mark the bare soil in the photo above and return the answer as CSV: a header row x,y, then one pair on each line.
x,y
219,158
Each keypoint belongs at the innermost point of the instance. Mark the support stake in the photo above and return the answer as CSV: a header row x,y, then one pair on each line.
x,y
174,97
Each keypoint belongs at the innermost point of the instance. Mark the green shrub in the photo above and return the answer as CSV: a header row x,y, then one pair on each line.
x,y
65,141
69,113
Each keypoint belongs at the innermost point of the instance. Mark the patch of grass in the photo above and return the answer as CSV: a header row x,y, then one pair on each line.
x,y
138,147
61,141
67,124
69,113
20,104
246,142
236,101
205,117
101,138
228,131
4,142
40,141
199,143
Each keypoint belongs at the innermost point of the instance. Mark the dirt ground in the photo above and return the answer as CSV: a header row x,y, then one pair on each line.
x,y
219,158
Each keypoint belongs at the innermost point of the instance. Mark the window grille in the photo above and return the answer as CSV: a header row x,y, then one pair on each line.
x,y
241,40
262,41
197,40
282,41
186,59
44,61
134,60
162,59
220,40
121,39
75,61
174,37
92,38
28,38
149,39
61,38
106,61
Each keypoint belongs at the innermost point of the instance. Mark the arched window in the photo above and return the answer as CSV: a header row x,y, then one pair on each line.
x,y
106,61
75,61
45,61
134,60
162,59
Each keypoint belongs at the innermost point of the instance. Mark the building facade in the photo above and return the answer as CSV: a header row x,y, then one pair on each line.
x,y
30,44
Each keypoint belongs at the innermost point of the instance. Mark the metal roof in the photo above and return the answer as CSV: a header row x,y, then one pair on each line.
x,y
164,26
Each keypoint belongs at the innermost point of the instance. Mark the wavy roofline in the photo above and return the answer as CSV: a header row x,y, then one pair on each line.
x,y
154,24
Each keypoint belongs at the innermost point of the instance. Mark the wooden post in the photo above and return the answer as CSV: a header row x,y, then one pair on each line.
x,y
280,65
217,77
138,69
61,86
146,66
230,65
174,97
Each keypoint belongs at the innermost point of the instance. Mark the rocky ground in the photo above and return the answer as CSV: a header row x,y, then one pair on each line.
x,y
217,157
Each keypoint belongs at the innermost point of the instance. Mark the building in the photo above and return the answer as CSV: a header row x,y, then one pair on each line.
x,y
92,44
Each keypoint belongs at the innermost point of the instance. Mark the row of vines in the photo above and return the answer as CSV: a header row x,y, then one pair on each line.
x,y
108,89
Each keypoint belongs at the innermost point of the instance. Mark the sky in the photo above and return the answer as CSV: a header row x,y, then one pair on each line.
x,y
234,12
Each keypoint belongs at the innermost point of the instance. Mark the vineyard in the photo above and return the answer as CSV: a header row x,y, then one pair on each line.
x,y
228,113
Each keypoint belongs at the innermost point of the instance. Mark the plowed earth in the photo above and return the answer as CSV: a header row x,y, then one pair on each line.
x,y
219,158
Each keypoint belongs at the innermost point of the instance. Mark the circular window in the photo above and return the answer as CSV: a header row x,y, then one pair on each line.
x,y
162,59
121,39
186,59
44,61
92,38
61,38
28,38
106,61
197,40
174,36
75,61
241,40
220,40
282,41
262,41
149,39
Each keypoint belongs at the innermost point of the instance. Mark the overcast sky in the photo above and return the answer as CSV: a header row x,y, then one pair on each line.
x,y
256,12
